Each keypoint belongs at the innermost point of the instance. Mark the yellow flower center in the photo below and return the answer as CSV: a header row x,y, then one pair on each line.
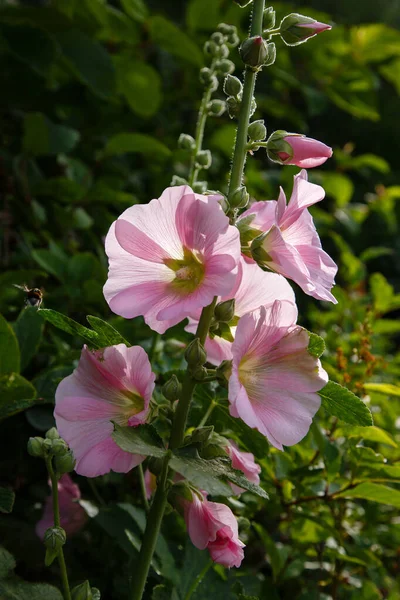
x,y
189,272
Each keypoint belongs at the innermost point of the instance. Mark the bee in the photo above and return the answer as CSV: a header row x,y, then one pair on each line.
x,y
34,296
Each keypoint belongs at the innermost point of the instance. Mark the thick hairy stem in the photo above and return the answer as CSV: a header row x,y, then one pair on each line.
x,y
240,151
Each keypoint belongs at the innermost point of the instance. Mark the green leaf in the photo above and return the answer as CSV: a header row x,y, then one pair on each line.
x,y
31,45
46,383
276,558
203,15
42,137
136,9
122,143
9,349
372,434
7,563
7,498
89,62
382,292
16,394
28,328
391,72
339,186
316,345
374,492
108,334
340,402
70,326
172,39
252,439
21,590
194,562
386,389
140,84
51,263
139,440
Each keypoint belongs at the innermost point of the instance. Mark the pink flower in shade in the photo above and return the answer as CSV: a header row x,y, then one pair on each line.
x,y
244,461
213,526
254,288
170,257
113,384
290,244
72,514
295,149
275,380
150,483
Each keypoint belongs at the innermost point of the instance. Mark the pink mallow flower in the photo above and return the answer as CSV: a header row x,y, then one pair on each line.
x,y
170,257
275,380
72,515
296,149
112,384
213,526
290,244
254,288
244,461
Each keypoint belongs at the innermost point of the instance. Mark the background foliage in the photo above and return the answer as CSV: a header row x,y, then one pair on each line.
x,y
94,95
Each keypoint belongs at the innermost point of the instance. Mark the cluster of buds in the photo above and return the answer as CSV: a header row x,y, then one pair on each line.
x,y
52,447
196,357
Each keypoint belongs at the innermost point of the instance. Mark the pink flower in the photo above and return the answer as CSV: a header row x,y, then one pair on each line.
x,y
290,244
170,257
296,29
213,526
254,288
72,514
295,149
244,461
113,384
150,483
275,380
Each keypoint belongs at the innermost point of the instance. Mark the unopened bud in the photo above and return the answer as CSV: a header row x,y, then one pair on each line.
x,y
176,180
195,354
243,3
254,51
52,434
172,388
216,108
233,40
54,538
269,18
226,29
155,465
64,463
225,66
225,311
257,131
233,106
47,445
218,38
258,253
232,86
35,447
224,370
59,447
222,52
186,142
203,159
199,373
208,78
82,592
296,29
200,187
239,198
210,48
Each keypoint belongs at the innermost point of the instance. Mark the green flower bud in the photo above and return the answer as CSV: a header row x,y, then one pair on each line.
x,y
52,434
223,51
155,465
54,538
176,180
243,3
233,106
200,187
59,447
225,66
203,159
64,463
257,131
199,373
218,38
35,447
257,251
82,592
269,18
232,86
233,40
186,142
216,108
206,75
225,311
271,54
172,389
296,29
239,198
224,370
47,445
195,354
210,48
226,29
223,201
254,51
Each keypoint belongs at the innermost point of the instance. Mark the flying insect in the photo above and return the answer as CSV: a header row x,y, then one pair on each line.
x,y
34,296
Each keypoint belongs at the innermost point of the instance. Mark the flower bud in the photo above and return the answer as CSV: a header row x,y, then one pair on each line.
x,y
239,198
257,131
55,538
172,388
224,370
271,54
47,445
243,3
216,108
233,40
82,592
186,141
295,149
225,311
257,251
195,354
210,48
208,78
59,447
233,106
232,86
226,29
296,29
64,463
254,52
225,66
52,434
176,180
200,187
203,159
155,465
199,373
269,18
218,38
35,447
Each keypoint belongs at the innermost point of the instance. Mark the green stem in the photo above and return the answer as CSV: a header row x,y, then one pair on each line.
x,y
143,488
57,523
154,341
204,420
240,151
198,580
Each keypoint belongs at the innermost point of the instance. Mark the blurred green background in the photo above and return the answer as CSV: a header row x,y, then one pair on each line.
x,y
93,97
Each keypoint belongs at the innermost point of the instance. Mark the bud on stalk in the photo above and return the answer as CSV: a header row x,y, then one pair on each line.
x,y
225,311
296,29
239,198
171,389
295,149
195,354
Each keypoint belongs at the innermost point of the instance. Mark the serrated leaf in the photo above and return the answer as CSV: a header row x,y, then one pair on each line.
x,y
316,345
340,402
9,349
374,492
28,328
109,335
16,394
70,326
7,498
142,439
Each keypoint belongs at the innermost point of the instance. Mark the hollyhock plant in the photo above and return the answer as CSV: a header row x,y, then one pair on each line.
x,y
244,461
113,384
253,289
275,380
170,257
72,515
295,149
213,526
296,29
290,244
